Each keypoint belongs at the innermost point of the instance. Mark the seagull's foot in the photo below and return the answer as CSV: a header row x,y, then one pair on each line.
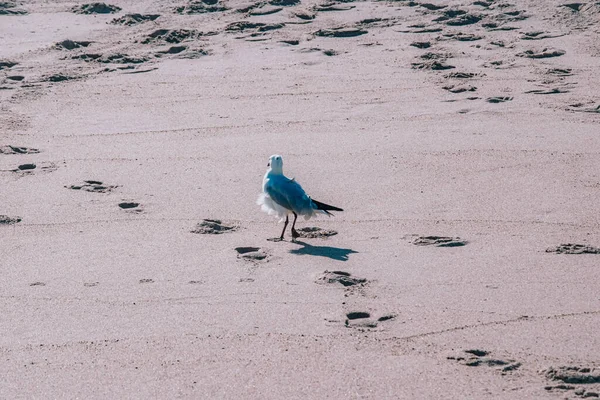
x,y
295,234
279,239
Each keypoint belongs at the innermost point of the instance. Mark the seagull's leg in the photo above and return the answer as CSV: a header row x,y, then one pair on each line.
x,y
284,226
295,234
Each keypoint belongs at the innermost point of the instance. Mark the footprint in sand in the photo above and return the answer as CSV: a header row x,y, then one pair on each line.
x,y
10,8
71,44
584,381
131,206
284,3
146,281
476,358
460,75
420,28
305,15
264,10
434,65
5,64
8,149
421,45
570,248
90,284
439,241
25,167
213,227
459,88
462,37
493,26
539,35
93,186
458,18
254,27
96,8
498,99
332,7
201,7
547,91
360,319
58,78
341,32
363,319
543,53
173,36
6,220
340,278
313,232
254,254
37,284
134,19
560,71
29,168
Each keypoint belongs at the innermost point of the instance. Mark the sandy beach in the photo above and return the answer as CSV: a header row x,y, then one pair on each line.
x,y
461,138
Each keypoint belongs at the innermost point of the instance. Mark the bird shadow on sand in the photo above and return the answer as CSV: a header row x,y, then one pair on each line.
x,y
335,253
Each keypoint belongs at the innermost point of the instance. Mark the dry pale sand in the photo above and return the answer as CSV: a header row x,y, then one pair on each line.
x,y
461,138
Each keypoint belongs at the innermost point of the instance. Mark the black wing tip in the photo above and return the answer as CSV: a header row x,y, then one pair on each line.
x,y
326,207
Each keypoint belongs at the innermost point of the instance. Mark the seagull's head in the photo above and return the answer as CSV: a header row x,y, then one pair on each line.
x,y
276,163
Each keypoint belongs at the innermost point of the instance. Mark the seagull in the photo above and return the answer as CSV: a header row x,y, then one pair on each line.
x,y
282,196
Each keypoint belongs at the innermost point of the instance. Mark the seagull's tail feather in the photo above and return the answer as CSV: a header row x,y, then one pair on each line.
x,y
326,207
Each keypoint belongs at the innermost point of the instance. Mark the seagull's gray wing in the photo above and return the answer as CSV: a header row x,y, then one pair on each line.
x,y
288,194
